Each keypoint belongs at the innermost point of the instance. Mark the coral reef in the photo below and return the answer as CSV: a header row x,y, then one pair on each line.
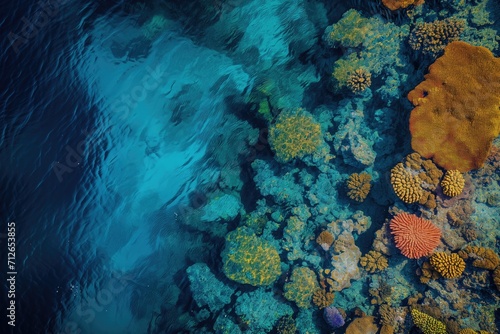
x,y
414,236
303,283
401,4
359,186
451,123
294,134
373,262
427,324
484,258
453,183
322,298
363,325
432,37
249,259
448,265
405,184
286,325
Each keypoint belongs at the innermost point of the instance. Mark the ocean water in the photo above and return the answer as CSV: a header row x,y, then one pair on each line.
x,y
139,138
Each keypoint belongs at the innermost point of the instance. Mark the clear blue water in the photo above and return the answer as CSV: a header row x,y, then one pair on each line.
x,y
119,120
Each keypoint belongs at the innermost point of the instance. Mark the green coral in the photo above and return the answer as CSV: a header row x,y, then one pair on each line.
x,y
249,259
427,324
301,287
294,135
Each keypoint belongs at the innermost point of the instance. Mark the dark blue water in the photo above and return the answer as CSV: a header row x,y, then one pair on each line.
x,y
119,120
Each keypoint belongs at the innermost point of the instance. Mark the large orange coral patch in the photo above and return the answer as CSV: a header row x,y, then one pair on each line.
x,y
457,108
414,236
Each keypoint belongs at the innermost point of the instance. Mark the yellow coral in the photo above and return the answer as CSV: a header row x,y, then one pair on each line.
x,y
448,265
373,261
456,116
250,260
359,80
405,184
323,298
359,186
294,136
432,37
301,287
453,183
484,258
426,323
467,331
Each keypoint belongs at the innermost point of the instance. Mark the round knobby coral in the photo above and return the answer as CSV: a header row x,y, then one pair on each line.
x,y
359,80
301,287
294,136
427,324
453,183
456,116
432,37
359,186
448,265
373,261
405,184
414,236
250,260
325,240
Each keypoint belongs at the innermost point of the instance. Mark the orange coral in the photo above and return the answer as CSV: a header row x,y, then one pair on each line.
x,y
323,298
414,236
456,115
359,186
325,240
448,265
397,4
363,325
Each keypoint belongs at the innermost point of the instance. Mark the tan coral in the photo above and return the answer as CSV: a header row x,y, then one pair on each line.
x,y
405,184
432,37
484,258
427,273
400,4
359,186
325,240
373,261
453,183
322,298
448,265
467,331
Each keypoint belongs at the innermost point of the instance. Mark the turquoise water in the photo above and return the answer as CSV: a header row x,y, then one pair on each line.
x,y
229,166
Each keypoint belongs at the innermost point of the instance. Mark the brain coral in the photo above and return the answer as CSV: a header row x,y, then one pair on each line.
x,y
405,184
250,260
414,236
456,114
301,287
453,183
427,324
294,135
448,265
359,186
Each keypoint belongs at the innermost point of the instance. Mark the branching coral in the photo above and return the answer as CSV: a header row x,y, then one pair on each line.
x,y
448,265
414,236
453,183
373,261
359,80
294,135
301,287
322,298
427,324
250,260
359,186
456,116
432,37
